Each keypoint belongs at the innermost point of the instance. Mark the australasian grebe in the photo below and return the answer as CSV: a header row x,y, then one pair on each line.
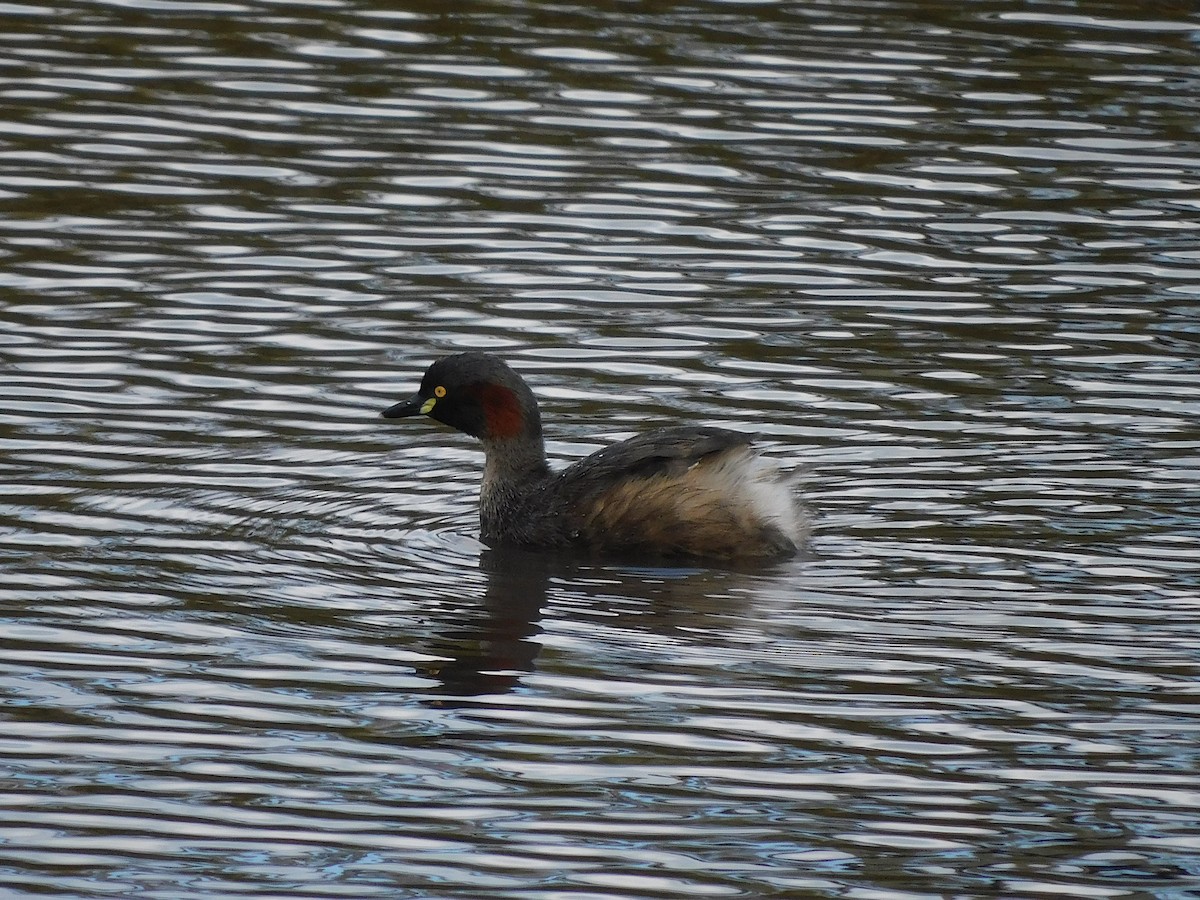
x,y
689,490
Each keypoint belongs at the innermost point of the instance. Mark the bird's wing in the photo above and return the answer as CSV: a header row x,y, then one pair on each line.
x,y
660,452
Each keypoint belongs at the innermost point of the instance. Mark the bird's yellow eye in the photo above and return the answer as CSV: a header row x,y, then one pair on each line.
x,y
439,392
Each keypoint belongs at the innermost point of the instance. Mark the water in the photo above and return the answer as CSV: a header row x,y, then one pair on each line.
x,y
941,257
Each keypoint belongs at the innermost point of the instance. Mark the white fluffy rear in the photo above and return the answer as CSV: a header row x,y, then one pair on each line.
x,y
759,485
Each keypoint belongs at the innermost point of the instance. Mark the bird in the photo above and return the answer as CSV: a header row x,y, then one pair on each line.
x,y
683,491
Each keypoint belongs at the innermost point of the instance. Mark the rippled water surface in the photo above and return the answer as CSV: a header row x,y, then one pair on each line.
x,y
942,257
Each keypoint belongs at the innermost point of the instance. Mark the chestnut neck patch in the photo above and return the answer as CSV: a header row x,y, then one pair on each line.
x,y
501,411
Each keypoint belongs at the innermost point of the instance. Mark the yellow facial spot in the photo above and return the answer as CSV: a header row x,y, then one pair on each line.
x,y
427,406
439,392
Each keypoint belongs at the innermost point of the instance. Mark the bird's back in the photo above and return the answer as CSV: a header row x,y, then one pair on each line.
x,y
683,491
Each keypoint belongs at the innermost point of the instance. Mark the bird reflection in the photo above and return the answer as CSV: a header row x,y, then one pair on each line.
x,y
491,653
495,642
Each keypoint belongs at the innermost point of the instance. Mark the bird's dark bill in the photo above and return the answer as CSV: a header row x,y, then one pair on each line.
x,y
405,408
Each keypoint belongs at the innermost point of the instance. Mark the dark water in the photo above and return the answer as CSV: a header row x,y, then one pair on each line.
x,y
943,257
